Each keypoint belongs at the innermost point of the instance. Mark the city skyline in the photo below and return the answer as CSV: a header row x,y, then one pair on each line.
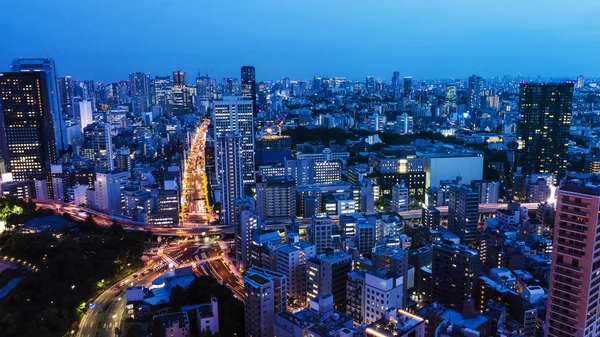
x,y
438,40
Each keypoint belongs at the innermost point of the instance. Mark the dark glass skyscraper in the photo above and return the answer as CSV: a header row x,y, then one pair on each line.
x,y
179,77
474,93
543,132
396,84
52,94
248,77
408,87
27,140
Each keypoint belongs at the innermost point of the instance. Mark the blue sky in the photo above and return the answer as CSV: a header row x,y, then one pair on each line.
x,y
105,40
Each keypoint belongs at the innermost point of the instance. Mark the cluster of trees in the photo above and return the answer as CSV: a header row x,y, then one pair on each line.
x,y
231,310
16,211
70,270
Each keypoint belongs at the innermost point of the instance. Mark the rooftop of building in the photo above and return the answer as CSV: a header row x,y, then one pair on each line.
x,y
457,318
168,320
398,322
438,150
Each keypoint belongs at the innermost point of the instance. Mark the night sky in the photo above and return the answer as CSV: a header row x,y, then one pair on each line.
x,y
105,40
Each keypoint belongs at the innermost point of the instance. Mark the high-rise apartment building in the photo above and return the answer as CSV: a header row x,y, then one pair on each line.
x,y
246,223
431,217
290,260
233,114
265,295
230,173
248,77
573,303
51,94
454,272
276,198
463,212
102,146
475,86
161,92
320,233
543,132
27,143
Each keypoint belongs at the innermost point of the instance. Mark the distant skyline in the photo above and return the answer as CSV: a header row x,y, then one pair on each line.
x,y
107,40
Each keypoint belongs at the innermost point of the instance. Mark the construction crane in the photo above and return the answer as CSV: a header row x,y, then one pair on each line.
x,y
280,123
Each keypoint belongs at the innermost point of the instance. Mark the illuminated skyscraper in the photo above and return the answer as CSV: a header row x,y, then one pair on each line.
x,y
179,77
233,114
543,132
26,135
52,95
248,76
575,269
161,92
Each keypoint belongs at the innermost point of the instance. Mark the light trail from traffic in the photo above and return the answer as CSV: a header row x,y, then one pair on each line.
x,y
195,207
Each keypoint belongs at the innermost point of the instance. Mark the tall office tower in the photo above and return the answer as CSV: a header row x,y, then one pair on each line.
x,y
229,162
276,198
161,92
82,111
396,261
248,76
400,197
265,296
474,93
575,269
65,89
408,87
431,218
246,224
290,260
543,132
90,89
27,146
451,95
463,212
204,87
396,84
228,86
107,194
47,66
328,274
233,114
102,146
179,78
370,85
140,92
320,233
580,81
454,272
